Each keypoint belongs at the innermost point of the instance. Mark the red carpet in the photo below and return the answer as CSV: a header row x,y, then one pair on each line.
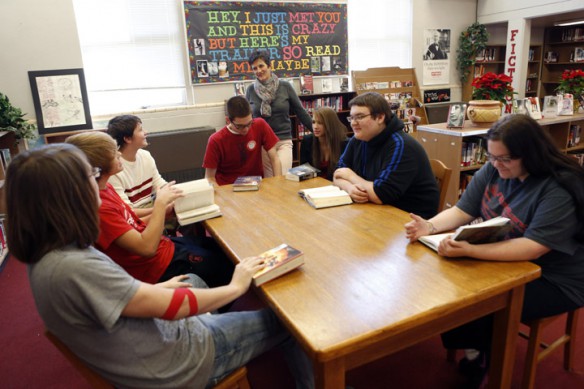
x,y
28,360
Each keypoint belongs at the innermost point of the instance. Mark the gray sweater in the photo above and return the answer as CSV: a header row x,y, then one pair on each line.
x,y
285,103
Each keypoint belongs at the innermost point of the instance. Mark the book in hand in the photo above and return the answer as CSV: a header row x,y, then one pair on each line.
x,y
197,203
278,261
302,172
489,231
247,183
325,196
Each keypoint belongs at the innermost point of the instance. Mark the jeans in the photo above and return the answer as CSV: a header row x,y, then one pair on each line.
x,y
284,150
242,336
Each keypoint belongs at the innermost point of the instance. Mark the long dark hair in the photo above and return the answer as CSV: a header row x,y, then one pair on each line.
x,y
50,202
336,132
540,156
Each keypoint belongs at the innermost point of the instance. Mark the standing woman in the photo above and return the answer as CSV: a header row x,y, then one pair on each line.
x,y
274,100
323,149
134,334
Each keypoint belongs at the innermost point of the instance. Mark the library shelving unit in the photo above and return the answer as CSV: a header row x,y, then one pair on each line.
x,y
533,71
446,144
385,81
492,59
560,44
339,101
7,141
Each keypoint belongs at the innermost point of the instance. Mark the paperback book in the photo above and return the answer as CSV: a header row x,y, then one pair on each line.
x,y
302,172
325,196
197,203
278,261
307,84
492,230
247,183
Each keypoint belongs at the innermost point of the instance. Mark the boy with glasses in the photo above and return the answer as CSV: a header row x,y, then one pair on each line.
x,y
235,150
382,164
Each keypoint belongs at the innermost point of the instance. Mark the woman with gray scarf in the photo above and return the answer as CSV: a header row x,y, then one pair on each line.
x,y
275,100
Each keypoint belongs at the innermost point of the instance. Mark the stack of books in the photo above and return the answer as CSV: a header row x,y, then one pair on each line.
x,y
247,183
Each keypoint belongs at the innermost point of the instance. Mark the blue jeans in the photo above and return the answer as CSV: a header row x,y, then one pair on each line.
x,y
242,336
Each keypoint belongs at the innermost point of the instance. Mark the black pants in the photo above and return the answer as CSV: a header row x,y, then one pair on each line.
x,y
542,299
201,256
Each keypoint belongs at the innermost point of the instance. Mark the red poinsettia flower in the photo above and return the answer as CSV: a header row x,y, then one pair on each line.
x,y
492,86
572,82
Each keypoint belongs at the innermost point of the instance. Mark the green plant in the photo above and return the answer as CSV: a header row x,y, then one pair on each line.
x,y
12,119
492,86
471,42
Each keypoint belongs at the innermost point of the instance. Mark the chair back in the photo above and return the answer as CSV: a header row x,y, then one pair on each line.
x,y
442,174
95,380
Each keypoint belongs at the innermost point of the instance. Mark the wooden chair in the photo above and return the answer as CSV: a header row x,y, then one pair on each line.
x,y
235,380
442,174
538,350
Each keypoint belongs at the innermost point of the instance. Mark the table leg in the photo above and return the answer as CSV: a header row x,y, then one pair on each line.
x,y
505,333
330,374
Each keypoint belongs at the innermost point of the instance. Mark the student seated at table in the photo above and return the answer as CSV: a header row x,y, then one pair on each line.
x,y
382,164
236,149
323,149
141,248
139,179
531,182
132,333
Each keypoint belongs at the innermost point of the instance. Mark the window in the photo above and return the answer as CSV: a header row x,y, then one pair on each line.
x,y
380,33
132,53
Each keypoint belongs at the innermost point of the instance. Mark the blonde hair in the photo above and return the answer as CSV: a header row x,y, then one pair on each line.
x,y
99,147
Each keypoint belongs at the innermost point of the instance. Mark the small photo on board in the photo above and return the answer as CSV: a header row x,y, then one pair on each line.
x,y
199,45
202,68
456,114
213,68
315,64
326,64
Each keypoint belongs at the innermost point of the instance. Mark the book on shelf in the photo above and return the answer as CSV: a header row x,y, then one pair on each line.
x,y
306,84
325,196
327,85
550,107
197,203
489,231
246,183
302,172
533,109
278,261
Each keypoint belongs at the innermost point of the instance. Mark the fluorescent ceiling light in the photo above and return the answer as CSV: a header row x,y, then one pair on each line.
x,y
569,22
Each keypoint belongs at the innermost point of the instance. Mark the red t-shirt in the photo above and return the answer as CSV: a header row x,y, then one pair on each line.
x,y
115,219
239,155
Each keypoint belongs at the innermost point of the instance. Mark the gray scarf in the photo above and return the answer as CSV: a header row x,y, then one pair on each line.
x,y
267,92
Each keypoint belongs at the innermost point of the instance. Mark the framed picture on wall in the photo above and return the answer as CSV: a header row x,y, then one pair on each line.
x,y
456,113
60,100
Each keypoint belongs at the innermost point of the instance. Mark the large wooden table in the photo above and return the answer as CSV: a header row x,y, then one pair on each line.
x,y
364,292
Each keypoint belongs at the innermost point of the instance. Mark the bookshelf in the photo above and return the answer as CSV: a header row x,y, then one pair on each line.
x,y
395,84
560,44
447,145
339,101
533,70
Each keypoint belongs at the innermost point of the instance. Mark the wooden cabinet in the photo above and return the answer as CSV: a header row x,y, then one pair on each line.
x,y
560,44
446,144
394,82
338,101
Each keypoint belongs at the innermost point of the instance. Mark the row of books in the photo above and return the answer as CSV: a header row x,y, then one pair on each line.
x,y
576,55
473,152
574,135
334,102
385,85
328,85
573,34
465,178
579,156
486,55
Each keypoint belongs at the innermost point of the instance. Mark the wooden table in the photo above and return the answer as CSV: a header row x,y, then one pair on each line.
x,y
364,292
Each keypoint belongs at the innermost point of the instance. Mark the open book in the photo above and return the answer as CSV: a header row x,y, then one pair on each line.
x,y
325,196
278,261
488,231
197,204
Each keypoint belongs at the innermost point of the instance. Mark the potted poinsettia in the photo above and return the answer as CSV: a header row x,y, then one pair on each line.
x,y
489,91
572,82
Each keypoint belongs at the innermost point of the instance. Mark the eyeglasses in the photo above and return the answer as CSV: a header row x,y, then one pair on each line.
x,y
242,126
95,172
505,159
356,118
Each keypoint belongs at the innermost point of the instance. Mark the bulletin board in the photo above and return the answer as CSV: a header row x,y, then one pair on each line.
x,y
302,38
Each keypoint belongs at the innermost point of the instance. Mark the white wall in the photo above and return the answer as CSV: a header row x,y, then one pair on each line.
x,y
496,11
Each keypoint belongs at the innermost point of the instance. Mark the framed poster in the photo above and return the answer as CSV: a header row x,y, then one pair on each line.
x,y
60,100
300,38
456,113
